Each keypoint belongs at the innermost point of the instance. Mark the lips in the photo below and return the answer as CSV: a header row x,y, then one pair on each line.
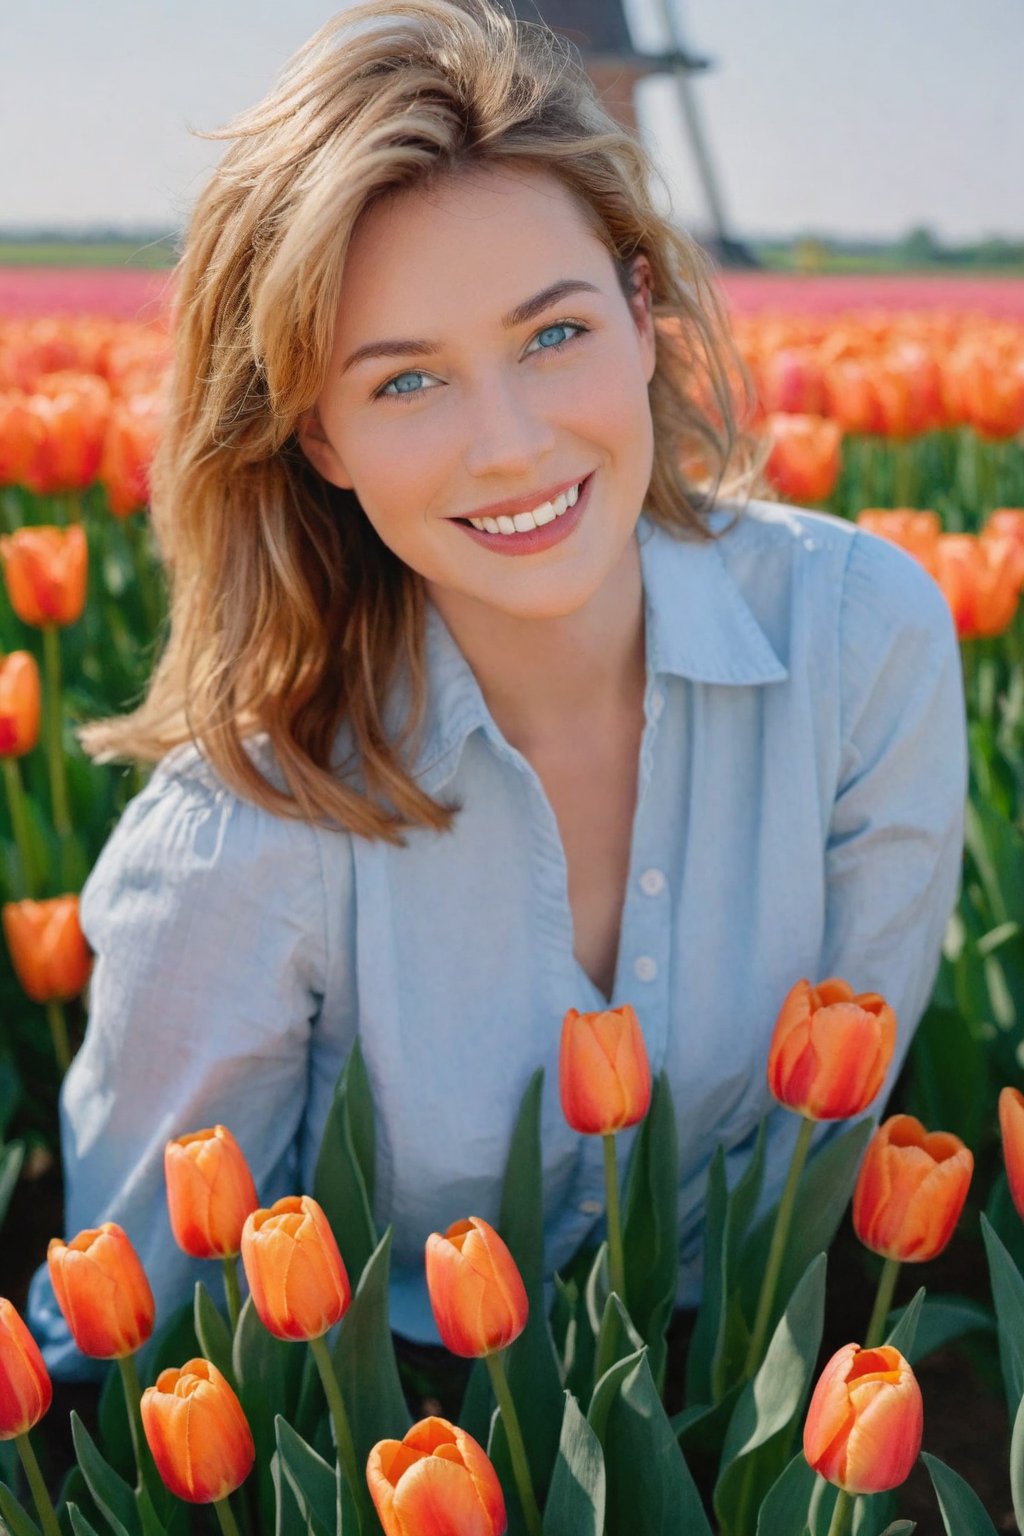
x,y
515,504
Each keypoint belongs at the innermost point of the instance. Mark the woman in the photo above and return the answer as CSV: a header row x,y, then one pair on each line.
x,y
485,694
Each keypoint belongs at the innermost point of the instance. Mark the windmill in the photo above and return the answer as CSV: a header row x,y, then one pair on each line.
x,y
600,31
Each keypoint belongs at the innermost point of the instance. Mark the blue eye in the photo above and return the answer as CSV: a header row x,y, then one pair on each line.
x,y
393,390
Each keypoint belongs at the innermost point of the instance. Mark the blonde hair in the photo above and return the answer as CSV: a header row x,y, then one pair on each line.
x,y
288,615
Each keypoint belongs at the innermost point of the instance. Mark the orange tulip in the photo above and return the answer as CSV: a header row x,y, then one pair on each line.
x,y
102,1290
985,390
297,1277
916,532
210,1192
792,381
128,451
1011,1123
73,409
804,461
1006,525
865,1420
910,1190
852,397
20,703
435,1481
476,1291
47,947
26,1391
603,1073
981,582
830,1049
46,570
198,1434
20,433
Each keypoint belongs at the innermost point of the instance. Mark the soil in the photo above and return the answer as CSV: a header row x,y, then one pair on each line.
x,y
966,1423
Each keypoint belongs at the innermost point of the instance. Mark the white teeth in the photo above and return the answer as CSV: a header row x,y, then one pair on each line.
x,y
524,521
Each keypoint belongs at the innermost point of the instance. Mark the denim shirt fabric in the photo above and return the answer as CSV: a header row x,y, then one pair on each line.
x,y
799,813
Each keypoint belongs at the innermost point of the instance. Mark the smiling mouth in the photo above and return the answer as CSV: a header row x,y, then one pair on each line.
x,y
526,522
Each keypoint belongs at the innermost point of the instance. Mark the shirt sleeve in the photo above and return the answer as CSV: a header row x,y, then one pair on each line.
x,y
207,917
894,848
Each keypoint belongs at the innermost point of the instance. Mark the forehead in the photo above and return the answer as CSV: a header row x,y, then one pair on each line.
x,y
478,238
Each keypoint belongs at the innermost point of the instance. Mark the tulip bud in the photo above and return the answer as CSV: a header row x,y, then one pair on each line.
x,y
980,580
47,947
210,1192
25,1388
102,1290
865,1420
198,1434
46,570
20,703
910,1190
830,1049
297,1278
476,1291
435,1467
805,457
1011,1123
915,531
603,1073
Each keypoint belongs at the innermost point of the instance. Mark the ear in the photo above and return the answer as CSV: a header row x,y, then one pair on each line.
x,y
320,452
641,302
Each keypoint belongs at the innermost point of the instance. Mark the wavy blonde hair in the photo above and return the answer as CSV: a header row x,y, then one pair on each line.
x,y
288,615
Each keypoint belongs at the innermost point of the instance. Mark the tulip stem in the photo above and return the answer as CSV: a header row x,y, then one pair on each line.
x,y
228,1523
339,1419
883,1301
232,1293
54,733
19,825
41,1499
776,1252
59,1033
132,1398
840,1522
616,1260
514,1436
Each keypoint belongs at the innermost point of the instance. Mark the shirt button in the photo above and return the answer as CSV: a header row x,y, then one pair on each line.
x,y
657,703
652,882
591,1207
645,968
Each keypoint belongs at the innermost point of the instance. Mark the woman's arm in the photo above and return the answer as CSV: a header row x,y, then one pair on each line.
x,y
208,918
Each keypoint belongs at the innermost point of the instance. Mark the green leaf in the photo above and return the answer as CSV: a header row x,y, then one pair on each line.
x,y
1017,1466
707,1326
531,1361
367,1371
269,1372
784,1509
899,1528
617,1338
213,1334
576,1500
14,1516
903,1333
1008,1294
114,1499
312,1481
11,1158
343,1182
79,1524
757,1440
650,1225
605,1390
649,1487
962,1511
823,1195
942,1320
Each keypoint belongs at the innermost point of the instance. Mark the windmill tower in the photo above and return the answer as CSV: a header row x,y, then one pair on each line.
x,y
600,31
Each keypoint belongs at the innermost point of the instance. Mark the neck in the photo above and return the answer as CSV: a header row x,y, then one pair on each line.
x,y
540,676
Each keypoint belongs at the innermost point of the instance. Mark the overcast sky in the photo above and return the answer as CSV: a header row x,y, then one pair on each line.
x,y
858,118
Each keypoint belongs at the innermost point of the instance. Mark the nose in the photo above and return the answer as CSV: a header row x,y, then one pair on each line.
x,y
507,434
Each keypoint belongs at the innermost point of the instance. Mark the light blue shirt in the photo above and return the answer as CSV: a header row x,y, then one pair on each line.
x,y
799,814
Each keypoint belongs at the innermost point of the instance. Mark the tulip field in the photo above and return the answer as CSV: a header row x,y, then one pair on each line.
x,y
810,1395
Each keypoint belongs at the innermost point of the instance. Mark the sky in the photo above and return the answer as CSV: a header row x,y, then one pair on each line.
x,y
856,119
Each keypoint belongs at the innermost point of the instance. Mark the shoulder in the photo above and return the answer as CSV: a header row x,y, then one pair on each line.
x,y
187,837
828,570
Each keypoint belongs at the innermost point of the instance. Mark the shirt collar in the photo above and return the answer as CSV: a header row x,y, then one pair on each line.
x,y
699,626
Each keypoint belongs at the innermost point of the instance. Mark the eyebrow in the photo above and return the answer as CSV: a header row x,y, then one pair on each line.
x,y
523,312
